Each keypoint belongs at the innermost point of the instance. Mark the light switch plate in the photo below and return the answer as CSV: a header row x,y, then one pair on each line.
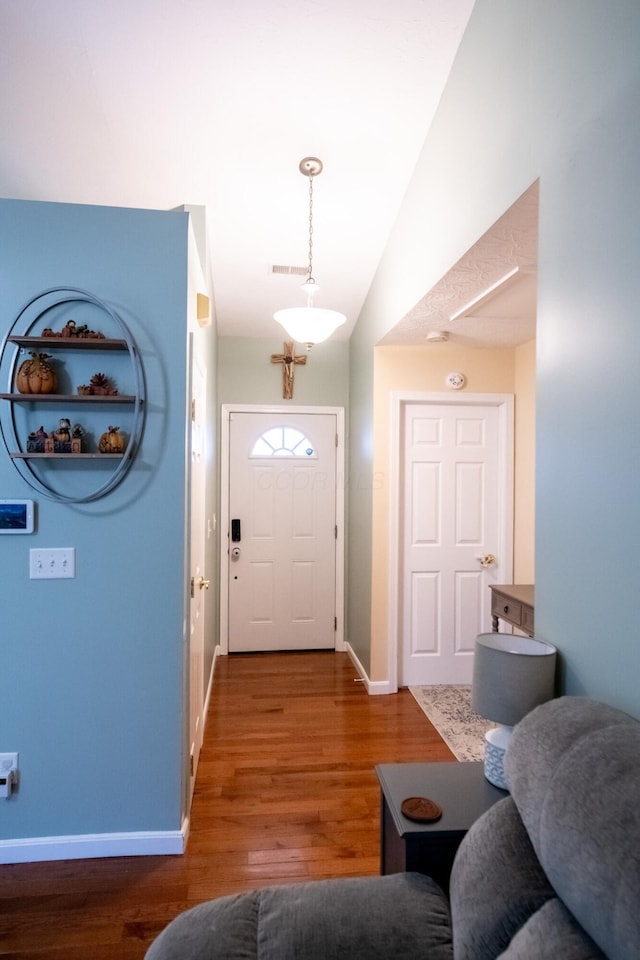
x,y
55,563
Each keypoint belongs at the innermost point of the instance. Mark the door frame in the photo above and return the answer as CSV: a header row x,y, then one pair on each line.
x,y
196,540
399,401
226,410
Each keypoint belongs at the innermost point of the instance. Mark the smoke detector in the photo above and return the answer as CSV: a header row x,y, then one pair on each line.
x,y
437,336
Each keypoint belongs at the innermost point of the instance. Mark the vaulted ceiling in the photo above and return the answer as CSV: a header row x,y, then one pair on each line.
x,y
159,103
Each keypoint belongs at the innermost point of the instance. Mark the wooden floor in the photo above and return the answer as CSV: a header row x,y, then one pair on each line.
x,y
286,790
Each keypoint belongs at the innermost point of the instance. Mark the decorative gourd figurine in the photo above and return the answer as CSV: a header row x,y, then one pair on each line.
x,y
112,441
101,385
36,375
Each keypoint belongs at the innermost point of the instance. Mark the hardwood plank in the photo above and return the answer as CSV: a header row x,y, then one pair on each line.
x,y
286,791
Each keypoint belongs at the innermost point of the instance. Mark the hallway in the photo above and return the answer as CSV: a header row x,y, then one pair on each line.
x,y
286,790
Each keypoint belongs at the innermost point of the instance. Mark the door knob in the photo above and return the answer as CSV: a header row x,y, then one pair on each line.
x,y
200,582
487,560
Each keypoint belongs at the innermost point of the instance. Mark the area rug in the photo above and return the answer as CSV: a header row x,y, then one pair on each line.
x,y
448,707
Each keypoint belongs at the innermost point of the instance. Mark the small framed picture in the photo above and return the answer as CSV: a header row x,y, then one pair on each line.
x,y
16,516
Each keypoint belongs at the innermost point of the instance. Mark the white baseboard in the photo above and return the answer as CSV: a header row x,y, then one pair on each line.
x,y
88,846
374,687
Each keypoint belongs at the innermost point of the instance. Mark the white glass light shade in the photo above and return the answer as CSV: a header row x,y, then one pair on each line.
x,y
309,324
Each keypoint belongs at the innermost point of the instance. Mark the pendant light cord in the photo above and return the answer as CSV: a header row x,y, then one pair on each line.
x,y
309,324
309,274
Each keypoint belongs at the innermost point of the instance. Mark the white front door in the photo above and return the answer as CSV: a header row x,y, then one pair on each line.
x,y
282,531
198,581
455,535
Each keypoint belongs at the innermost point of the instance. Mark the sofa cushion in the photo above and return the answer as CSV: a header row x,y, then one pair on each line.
x,y
573,768
549,934
496,884
404,915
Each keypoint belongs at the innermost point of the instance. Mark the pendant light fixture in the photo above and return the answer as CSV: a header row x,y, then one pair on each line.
x,y
310,324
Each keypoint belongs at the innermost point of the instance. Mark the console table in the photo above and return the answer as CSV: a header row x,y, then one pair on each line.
x,y
460,789
513,603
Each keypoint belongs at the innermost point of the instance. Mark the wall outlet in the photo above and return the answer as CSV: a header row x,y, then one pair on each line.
x,y
8,773
54,563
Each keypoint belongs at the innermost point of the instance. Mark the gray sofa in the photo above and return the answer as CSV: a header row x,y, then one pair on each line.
x,y
550,871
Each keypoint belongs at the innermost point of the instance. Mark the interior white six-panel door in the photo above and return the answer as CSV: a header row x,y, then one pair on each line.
x,y
450,527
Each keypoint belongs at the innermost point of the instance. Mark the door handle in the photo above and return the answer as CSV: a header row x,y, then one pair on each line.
x,y
200,582
236,532
486,560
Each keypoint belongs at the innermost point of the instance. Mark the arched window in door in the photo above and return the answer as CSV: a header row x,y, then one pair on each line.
x,y
283,442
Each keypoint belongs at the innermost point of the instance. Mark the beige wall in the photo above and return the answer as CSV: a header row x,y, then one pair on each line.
x,y
525,464
424,369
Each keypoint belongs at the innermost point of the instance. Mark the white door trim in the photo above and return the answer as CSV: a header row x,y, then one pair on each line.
x,y
399,400
226,410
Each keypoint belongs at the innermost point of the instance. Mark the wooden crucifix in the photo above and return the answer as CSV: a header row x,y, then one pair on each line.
x,y
289,361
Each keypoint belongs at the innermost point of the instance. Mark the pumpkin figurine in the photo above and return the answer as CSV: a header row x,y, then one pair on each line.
x,y
112,441
36,375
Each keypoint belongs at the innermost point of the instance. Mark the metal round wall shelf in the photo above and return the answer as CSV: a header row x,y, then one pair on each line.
x,y
45,472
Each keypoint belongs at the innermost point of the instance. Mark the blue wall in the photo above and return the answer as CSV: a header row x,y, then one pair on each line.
x,y
92,668
550,91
